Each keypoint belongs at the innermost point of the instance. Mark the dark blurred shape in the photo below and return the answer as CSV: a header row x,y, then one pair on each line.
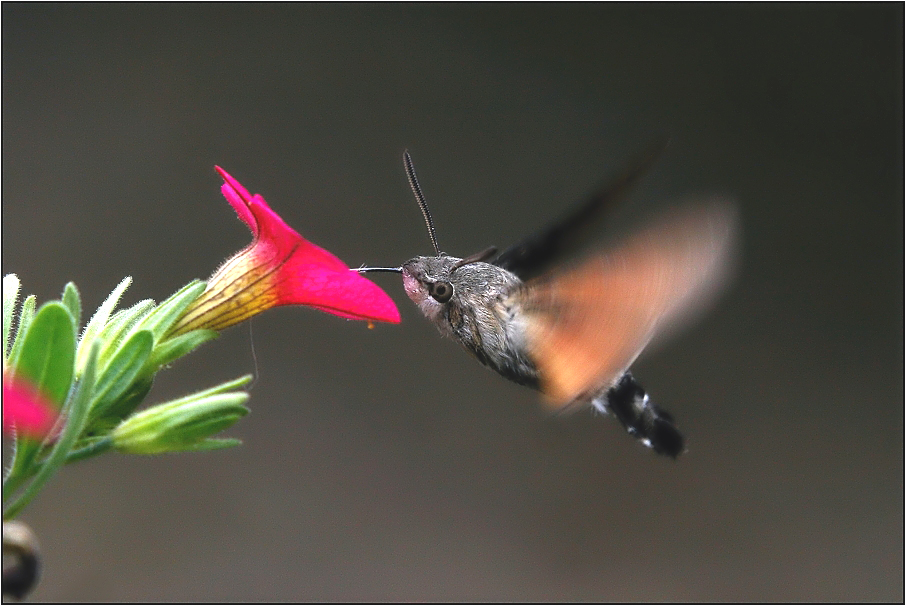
x,y
21,560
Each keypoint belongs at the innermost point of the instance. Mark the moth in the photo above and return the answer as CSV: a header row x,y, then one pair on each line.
x,y
572,330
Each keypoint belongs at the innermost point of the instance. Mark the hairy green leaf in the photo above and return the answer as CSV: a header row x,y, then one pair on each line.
x,y
73,302
97,323
26,315
177,347
10,295
167,313
118,327
121,372
48,352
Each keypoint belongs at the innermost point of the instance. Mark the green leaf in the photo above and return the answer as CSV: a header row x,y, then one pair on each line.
x,y
76,413
97,323
177,347
25,317
122,370
129,401
43,354
168,312
126,319
124,406
222,388
118,327
48,352
73,302
10,294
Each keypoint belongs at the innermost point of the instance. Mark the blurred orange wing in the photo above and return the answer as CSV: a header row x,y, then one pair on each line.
x,y
586,325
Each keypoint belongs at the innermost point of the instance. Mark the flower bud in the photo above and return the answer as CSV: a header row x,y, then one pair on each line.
x,y
183,424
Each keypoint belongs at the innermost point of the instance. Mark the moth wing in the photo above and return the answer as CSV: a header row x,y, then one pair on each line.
x,y
563,238
586,325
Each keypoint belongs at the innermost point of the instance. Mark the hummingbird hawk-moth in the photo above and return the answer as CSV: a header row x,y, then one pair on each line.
x,y
572,331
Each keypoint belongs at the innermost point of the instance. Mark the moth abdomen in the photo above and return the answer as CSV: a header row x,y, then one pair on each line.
x,y
653,426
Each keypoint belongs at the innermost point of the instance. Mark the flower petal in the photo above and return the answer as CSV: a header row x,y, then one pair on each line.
x,y
280,267
287,241
25,410
343,293
238,197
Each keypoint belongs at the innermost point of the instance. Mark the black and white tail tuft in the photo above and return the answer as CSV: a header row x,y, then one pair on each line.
x,y
654,427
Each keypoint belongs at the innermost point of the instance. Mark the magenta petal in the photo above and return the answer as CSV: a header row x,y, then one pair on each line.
x,y
24,410
344,293
239,199
236,185
277,233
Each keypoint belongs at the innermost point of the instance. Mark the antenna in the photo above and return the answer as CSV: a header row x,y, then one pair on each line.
x,y
413,183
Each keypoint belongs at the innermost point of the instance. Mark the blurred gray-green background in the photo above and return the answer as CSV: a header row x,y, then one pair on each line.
x,y
386,464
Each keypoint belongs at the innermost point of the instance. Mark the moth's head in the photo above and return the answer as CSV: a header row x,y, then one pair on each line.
x,y
430,283
434,283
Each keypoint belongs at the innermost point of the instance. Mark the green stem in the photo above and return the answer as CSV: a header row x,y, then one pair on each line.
x,y
99,447
22,465
13,482
8,472
95,448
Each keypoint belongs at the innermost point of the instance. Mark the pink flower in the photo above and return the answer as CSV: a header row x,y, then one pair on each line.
x,y
280,267
25,411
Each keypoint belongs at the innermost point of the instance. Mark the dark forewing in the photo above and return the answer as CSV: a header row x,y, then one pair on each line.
x,y
535,254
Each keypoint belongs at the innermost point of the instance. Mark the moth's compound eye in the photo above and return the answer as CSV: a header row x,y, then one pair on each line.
x,y
441,291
